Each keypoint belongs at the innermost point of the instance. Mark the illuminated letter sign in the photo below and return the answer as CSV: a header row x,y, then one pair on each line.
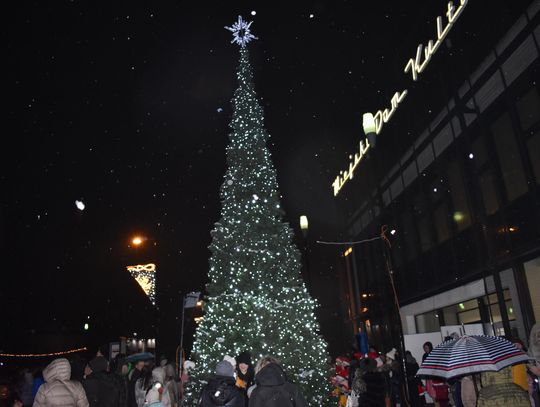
x,y
416,66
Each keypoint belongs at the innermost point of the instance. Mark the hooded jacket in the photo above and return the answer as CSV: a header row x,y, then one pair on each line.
x,y
221,391
498,390
58,390
103,389
273,389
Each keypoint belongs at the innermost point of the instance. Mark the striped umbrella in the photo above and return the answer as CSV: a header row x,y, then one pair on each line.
x,y
471,354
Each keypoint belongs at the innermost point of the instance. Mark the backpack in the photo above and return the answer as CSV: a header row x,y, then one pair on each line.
x,y
219,396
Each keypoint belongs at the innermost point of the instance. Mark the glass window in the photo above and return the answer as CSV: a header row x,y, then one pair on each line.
x,y
440,215
533,145
470,317
509,157
424,230
408,231
489,192
480,152
427,322
528,108
461,215
532,272
451,315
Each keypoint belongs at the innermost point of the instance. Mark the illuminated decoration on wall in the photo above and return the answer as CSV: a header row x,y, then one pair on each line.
x,y
416,65
40,355
145,275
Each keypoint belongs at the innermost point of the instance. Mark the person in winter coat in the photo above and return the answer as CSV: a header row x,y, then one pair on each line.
x,y
153,397
369,384
272,387
172,385
428,347
221,390
534,365
58,390
102,388
498,390
145,384
133,377
245,373
25,389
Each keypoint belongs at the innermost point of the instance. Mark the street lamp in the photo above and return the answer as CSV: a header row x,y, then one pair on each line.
x,y
368,123
137,241
304,225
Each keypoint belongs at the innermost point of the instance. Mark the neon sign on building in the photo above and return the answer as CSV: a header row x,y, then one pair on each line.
x,y
415,66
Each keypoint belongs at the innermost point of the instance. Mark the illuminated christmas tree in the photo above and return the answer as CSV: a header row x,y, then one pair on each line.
x,y
257,301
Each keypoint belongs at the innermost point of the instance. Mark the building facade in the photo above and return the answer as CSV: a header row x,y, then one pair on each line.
x,y
462,205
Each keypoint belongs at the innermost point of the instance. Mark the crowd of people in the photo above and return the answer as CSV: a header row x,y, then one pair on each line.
x,y
379,379
142,383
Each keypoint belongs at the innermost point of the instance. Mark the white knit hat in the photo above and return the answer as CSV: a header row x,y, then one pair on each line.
x,y
231,360
392,354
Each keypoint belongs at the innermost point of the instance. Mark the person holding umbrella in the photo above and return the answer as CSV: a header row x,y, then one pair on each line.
x,y
534,365
499,390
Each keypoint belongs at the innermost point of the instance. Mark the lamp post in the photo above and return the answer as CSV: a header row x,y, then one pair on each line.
x,y
190,300
368,124
386,246
304,227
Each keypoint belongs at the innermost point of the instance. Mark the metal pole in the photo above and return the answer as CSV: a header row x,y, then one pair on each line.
x,y
388,264
182,336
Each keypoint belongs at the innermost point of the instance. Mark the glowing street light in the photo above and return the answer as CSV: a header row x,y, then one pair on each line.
x,y
137,241
304,225
370,129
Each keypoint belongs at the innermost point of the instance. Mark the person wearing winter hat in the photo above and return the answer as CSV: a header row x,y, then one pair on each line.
x,y
159,377
245,372
221,389
102,389
273,389
369,385
154,395
392,354
231,360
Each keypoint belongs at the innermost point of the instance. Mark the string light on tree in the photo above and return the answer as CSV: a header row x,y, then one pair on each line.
x,y
256,300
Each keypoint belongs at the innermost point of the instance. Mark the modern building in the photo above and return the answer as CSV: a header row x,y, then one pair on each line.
x,y
460,194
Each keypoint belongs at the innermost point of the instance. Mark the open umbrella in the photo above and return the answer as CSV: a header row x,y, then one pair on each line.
x,y
139,356
471,354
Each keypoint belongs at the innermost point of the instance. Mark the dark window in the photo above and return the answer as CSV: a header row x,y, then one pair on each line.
x,y
424,224
440,217
424,229
528,108
509,157
461,215
489,192
408,233
533,145
481,155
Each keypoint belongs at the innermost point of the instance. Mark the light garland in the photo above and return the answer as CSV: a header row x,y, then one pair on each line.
x,y
145,275
40,355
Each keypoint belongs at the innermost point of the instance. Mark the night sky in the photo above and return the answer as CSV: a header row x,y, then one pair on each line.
x,y
126,105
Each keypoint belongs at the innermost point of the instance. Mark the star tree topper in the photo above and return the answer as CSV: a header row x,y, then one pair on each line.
x,y
241,32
